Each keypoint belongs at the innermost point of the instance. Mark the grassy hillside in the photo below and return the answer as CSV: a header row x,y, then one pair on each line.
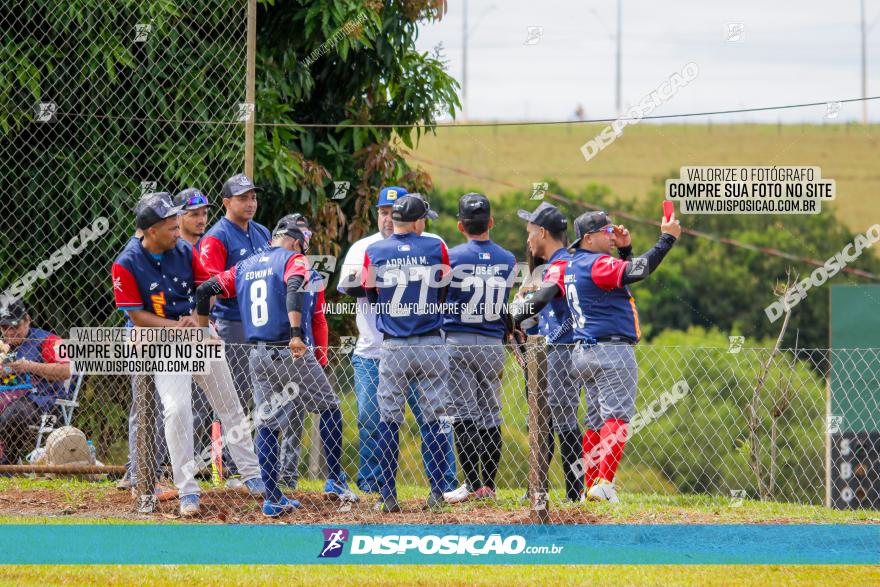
x,y
522,155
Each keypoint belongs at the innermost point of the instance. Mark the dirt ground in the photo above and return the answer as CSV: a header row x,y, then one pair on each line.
x,y
231,506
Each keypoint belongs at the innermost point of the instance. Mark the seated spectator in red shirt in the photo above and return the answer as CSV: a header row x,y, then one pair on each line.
x,y
31,379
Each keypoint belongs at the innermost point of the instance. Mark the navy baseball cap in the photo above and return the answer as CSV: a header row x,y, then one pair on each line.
x,y
410,209
155,208
12,312
191,199
141,203
588,223
431,215
287,226
472,206
546,216
389,195
237,185
297,218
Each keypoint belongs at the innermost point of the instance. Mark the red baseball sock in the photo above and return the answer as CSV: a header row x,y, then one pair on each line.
x,y
613,436
591,464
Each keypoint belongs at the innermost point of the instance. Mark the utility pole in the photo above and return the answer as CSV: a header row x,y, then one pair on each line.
x,y
250,90
864,67
619,35
464,58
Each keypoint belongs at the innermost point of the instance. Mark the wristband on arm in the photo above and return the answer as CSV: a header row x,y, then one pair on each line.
x,y
204,293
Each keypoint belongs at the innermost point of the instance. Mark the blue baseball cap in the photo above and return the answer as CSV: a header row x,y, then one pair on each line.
x,y
389,195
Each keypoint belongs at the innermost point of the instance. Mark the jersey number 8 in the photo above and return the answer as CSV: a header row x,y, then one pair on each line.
x,y
259,306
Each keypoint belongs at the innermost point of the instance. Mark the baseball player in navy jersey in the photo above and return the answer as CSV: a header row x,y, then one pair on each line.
x,y
606,328
155,284
365,357
286,375
233,238
192,221
475,330
194,205
547,241
315,335
402,274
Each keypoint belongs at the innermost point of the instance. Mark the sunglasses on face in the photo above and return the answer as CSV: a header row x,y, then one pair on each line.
x,y
197,200
607,230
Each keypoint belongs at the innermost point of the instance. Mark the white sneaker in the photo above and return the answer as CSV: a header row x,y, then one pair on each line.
x,y
603,490
459,495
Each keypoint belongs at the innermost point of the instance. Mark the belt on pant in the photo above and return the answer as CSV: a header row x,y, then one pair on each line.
x,y
275,348
435,332
607,339
262,344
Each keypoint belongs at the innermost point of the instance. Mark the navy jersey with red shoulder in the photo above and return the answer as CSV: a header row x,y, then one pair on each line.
x,y
601,306
405,270
260,285
224,245
553,321
163,285
479,288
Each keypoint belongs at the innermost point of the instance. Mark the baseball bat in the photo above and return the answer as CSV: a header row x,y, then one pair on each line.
x,y
216,453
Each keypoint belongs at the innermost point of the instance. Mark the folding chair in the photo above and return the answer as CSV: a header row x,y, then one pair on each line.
x,y
48,421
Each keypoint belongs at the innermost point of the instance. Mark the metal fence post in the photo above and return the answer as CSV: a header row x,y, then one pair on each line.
x,y
145,465
539,426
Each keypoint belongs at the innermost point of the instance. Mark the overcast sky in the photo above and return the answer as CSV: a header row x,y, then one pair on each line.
x,y
788,52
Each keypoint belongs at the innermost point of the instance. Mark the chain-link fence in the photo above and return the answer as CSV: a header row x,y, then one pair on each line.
x,y
101,102
728,423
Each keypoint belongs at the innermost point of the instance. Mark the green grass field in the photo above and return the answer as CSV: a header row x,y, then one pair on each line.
x,y
636,508
630,165
367,575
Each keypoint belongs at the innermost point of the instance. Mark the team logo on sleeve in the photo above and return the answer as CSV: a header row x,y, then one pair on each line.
x,y
334,540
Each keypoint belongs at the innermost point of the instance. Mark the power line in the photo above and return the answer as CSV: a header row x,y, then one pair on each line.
x,y
697,233
464,124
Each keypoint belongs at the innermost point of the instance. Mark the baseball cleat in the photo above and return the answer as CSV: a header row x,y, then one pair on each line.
x,y
341,490
189,505
388,505
255,486
484,493
163,492
603,490
284,506
460,495
435,501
